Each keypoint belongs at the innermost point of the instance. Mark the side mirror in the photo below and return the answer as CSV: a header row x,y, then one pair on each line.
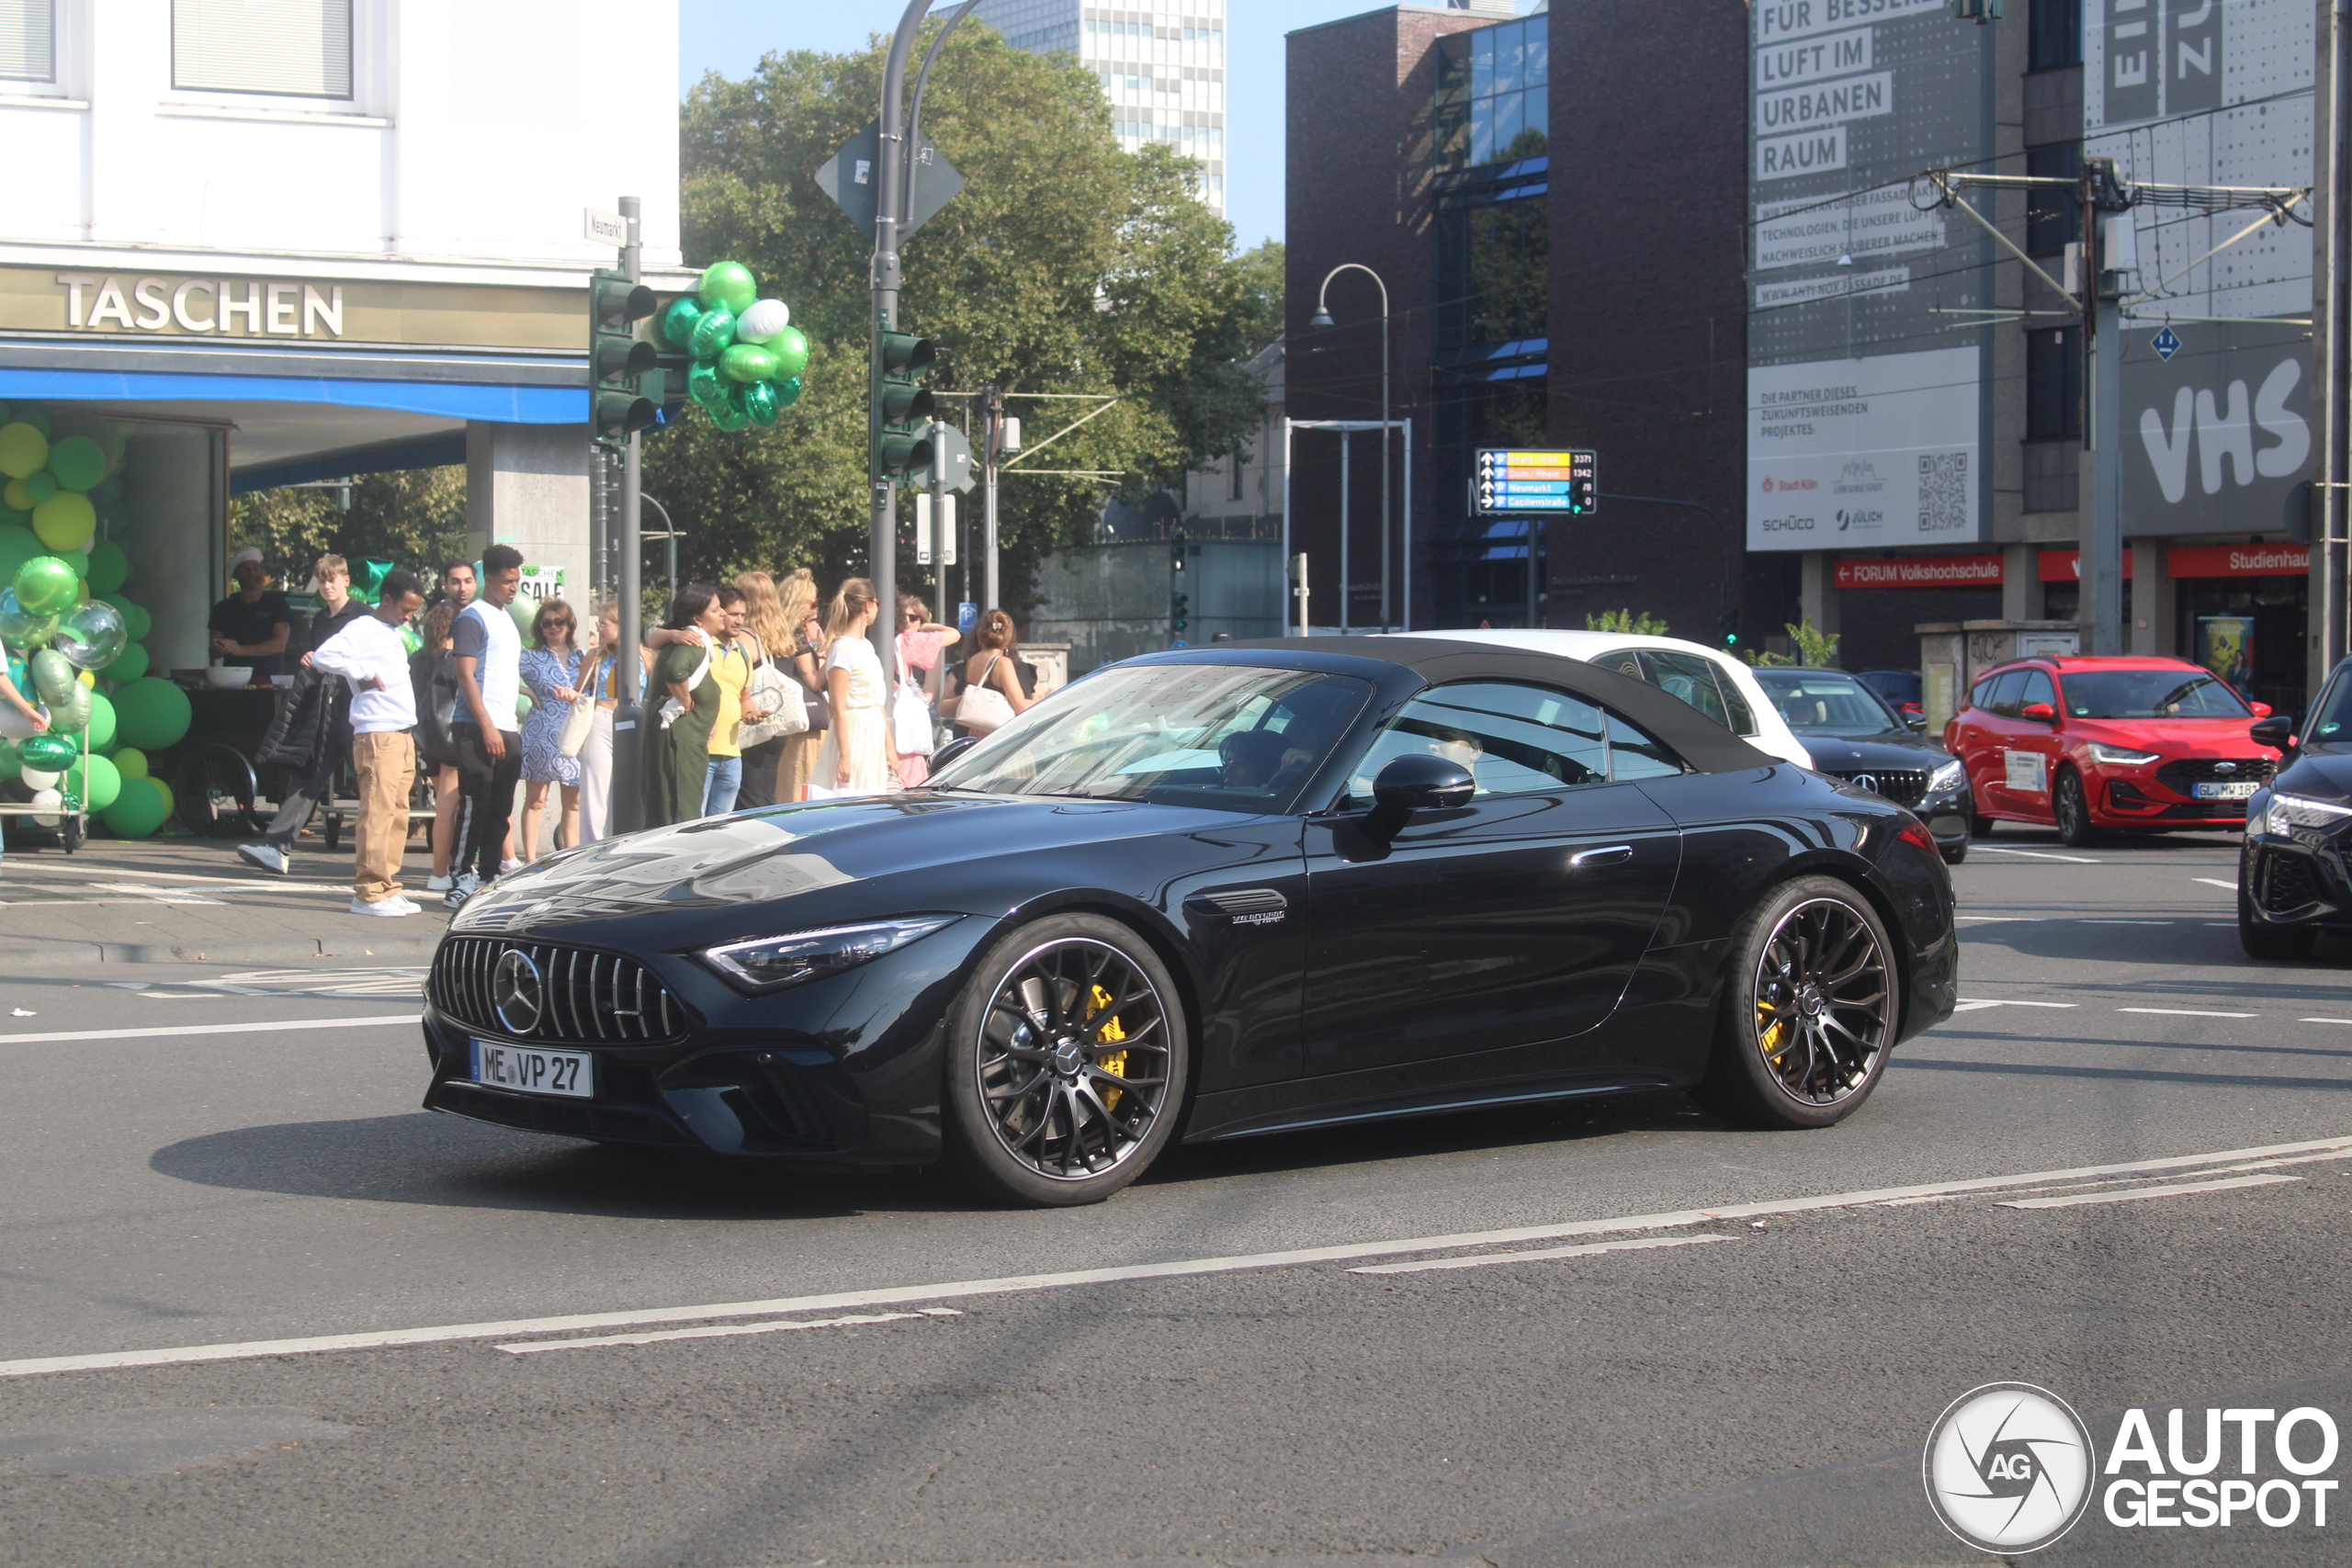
x,y
2261,710
1416,783
2276,731
952,751
1916,723
2041,712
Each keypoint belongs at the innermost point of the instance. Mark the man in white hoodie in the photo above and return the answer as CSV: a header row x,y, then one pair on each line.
x,y
372,658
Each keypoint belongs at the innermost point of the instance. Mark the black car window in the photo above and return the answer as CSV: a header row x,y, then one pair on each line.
x,y
1827,702
1625,661
1514,738
1980,695
2038,689
2151,693
2004,701
1692,679
2331,720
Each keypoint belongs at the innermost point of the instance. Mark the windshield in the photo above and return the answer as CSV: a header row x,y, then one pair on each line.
x,y
2151,693
1818,703
1228,737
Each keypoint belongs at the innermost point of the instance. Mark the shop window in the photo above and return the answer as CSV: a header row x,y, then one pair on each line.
x,y
27,40
2054,35
2053,385
2053,219
296,48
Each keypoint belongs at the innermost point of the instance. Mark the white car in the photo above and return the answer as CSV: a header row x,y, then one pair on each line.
x,y
1716,683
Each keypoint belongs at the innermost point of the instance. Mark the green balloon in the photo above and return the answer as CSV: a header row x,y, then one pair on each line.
x,y
109,567
20,629
706,385
759,402
788,391
50,753
130,763
676,321
46,585
523,610
24,448
729,284
135,813
748,362
11,766
16,517
129,665
70,715
53,674
713,333
150,713
97,781
77,562
731,414
78,462
791,349
34,415
104,727
42,485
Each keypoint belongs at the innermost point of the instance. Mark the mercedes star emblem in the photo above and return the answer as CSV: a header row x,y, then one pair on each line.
x,y
517,992
1866,781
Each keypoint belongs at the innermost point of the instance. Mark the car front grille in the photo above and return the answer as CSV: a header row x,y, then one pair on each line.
x,y
587,997
2184,774
1905,786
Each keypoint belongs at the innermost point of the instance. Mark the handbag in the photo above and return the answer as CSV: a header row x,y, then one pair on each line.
x,y
769,688
982,709
910,733
580,723
671,707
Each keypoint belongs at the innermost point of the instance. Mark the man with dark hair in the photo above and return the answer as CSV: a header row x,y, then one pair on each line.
x,y
372,657
458,582
489,648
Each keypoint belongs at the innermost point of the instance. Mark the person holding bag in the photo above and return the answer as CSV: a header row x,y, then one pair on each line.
x,y
771,691
804,655
553,670
857,757
677,733
992,693
595,753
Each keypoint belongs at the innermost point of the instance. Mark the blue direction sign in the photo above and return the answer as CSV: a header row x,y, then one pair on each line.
x,y
2166,342
1508,479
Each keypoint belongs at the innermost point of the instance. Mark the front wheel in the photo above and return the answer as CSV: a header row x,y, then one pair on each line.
x,y
2072,807
1065,1063
1810,1011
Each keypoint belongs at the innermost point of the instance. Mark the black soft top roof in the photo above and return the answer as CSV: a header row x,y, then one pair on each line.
x,y
1696,738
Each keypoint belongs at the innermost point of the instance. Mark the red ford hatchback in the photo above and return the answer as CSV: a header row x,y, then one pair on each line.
x,y
2093,743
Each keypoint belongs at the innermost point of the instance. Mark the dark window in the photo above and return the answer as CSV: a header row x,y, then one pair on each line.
x,y
1980,696
1515,740
2005,700
2053,219
2038,689
2053,385
2054,39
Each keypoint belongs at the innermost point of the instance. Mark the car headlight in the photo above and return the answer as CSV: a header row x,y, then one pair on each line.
x,y
1952,775
771,962
2297,811
2121,756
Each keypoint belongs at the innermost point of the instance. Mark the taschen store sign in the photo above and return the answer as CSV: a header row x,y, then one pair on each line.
x,y
321,312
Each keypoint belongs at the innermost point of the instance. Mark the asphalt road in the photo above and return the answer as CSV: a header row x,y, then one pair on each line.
x,y
788,1370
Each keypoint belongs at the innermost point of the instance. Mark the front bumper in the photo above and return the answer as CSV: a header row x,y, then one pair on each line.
x,y
2162,795
842,1073
2296,878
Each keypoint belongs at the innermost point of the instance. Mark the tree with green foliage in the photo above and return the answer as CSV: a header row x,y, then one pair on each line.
x,y
416,519
1642,624
1065,266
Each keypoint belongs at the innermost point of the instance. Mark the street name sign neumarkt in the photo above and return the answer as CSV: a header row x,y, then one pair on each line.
x,y
1513,481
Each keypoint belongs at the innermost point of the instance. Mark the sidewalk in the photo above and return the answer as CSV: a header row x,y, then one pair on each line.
x,y
193,901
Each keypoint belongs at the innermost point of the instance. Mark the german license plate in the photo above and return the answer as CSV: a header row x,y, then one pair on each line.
x,y
2235,789
534,1071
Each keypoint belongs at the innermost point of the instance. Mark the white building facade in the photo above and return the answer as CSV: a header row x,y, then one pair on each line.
x,y
1162,70
285,240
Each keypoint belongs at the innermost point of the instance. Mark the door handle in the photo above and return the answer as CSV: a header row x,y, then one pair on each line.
x,y
1608,854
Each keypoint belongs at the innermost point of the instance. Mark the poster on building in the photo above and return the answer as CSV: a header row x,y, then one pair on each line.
x,y
1849,453
1866,340
2216,401
2225,646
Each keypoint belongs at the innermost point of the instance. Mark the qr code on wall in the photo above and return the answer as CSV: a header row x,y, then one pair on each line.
x,y
1943,492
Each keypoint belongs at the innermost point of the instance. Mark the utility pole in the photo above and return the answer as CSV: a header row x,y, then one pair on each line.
x,y
2108,259
625,809
2331,347
992,457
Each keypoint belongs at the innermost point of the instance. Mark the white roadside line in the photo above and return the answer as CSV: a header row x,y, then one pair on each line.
x,y
2216,881
1481,1260
172,1029
2133,1194
2189,1012
441,1333
2038,855
726,1330
2088,922
2006,1002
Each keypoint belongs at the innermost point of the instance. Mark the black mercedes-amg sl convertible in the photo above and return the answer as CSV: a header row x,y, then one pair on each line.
x,y
1210,894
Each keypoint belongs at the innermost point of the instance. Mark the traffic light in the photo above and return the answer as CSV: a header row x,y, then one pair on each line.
x,y
1729,625
904,444
618,362
1180,604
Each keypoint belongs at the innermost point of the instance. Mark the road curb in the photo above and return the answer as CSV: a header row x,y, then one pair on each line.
x,y
82,955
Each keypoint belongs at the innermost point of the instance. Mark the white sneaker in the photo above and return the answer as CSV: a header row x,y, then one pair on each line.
x,y
270,857
508,867
407,904
382,906
436,885
461,889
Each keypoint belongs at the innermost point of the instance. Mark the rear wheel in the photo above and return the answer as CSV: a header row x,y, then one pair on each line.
x,y
1810,1012
2070,805
1065,1063
1979,825
2262,940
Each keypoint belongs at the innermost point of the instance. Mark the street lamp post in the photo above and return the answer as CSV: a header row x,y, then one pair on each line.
x,y
1322,318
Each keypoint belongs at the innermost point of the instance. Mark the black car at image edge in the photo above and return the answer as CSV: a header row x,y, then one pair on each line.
x,y
2293,882
1214,894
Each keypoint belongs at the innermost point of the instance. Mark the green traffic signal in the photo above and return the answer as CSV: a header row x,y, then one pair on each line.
x,y
620,367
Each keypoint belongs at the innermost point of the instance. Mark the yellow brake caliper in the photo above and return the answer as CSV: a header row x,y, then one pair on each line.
x,y
1770,1037
1108,1033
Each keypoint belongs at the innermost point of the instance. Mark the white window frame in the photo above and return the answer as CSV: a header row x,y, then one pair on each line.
x,y
64,89
366,106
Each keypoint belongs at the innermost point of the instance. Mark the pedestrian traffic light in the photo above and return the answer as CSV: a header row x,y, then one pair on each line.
x,y
1729,626
1180,607
903,445
1977,11
618,362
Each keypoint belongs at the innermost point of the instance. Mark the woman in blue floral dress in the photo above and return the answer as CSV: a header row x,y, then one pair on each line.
x,y
552,672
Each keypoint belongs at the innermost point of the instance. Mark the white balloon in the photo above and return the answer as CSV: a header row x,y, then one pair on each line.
x,y
39,778
51,798
762,320
13,722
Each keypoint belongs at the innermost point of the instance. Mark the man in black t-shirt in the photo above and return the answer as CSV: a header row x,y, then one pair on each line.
x,y
337,608
249,627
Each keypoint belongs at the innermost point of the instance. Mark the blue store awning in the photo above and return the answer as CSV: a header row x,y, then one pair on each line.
x,y
445,399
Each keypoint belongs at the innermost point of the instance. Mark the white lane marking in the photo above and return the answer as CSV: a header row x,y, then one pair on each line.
x,y
726,1330
1480,1261
197,876
2091,922
160,894
2189,1012
2006,1002
440,1334
2324,1021
2039,854
2000,916
2132,1195
292,1023
2216,881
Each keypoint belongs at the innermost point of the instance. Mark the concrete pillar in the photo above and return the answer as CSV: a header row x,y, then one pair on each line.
x,y
526,485
2153,607
1817,591
174,480
2020,576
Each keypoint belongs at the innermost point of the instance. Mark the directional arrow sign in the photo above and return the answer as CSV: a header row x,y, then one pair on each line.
x,y
1513,480
852,178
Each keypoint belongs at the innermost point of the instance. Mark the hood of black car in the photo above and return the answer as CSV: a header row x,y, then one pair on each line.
x,y
1841,754
2319,775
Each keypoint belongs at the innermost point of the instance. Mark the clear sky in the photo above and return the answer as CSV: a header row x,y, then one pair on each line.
x,y
729,36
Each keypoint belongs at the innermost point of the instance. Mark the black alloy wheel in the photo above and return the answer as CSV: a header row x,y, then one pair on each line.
x,y
2072,807
1065,1063
2264,941
1810,1011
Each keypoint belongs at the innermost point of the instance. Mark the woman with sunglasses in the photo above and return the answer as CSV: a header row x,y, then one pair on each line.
x,y
921,640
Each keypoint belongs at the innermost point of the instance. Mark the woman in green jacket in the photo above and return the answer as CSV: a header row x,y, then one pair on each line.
x,y
685,701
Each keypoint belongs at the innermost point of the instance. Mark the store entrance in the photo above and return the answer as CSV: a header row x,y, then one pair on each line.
x,y
2250,631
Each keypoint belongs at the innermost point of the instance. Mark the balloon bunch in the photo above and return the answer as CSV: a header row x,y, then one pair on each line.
x,y
748,355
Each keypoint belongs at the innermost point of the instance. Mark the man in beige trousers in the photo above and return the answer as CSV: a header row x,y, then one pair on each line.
x,y
370,656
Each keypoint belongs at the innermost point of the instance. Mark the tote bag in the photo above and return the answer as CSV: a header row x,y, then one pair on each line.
x,y
910,731
982,709
771,689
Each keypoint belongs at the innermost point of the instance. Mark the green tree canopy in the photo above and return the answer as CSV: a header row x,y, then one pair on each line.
x,y
1065,266
416,519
